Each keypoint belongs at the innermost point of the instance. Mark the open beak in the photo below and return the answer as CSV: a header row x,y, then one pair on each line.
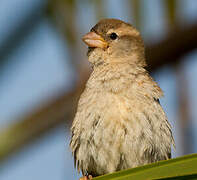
x,y
94,40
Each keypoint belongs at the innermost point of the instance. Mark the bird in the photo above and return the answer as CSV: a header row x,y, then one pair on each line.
x,y
119,122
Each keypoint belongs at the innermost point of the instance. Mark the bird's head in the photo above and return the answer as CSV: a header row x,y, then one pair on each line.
x,y
112,40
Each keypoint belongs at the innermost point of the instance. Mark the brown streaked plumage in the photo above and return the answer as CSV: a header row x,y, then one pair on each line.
x,y
119,122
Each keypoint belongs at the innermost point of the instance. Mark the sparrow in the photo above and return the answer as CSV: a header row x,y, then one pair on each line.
x,y
119,122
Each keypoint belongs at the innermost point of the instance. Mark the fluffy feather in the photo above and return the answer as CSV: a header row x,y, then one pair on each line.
x,y
119,122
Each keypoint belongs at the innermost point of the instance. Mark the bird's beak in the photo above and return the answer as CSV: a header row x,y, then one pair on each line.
x,y
92,39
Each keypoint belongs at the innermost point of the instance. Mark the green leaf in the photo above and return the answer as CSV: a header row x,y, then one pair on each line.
x,y
179,168
186,177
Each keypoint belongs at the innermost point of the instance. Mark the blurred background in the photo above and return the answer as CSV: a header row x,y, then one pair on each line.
x,y
43,68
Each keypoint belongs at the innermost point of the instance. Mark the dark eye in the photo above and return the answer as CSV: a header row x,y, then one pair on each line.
x,y
113,36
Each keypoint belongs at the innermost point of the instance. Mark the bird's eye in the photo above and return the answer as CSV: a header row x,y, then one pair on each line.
x,y
113,36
